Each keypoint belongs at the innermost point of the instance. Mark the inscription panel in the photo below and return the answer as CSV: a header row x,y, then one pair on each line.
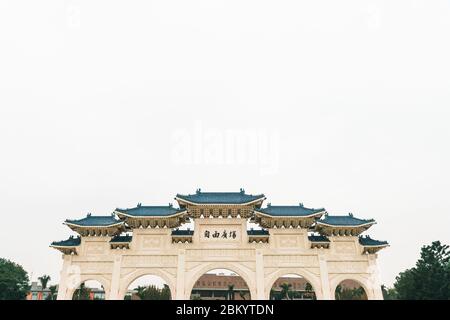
x,y
220,233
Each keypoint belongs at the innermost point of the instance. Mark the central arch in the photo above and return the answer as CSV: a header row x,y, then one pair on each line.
x,y
242,271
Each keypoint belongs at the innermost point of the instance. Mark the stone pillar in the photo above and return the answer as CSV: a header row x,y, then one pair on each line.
x,y
64,278
260,294
115,279
374,279
324,279
181,271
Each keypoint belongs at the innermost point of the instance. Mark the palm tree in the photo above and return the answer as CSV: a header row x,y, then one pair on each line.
x,y
44,281
82,293
286,290
140,292
308,287
231,292
309,291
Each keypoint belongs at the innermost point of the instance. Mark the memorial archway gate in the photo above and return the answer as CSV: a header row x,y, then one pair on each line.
x,y
117,249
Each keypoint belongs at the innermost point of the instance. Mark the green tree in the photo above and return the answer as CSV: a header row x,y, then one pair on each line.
x,y
309,291
388,293
14,281
44,281
53,293
429,279
165,293
151,292
82,293
140,292
286,290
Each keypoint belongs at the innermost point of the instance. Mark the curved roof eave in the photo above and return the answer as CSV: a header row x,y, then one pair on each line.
x,y
262,198
370,223
293,216
93,226
151,217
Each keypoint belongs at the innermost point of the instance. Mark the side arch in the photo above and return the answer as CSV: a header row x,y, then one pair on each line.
x,y
167,277
242,271
362,281
106,284
313,279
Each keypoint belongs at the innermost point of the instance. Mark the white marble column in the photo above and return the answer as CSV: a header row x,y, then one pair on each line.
x,y
260,294
181,271
115,279
375,278
325,281
64,278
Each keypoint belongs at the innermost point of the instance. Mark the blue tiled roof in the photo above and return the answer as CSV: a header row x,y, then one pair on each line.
x,y
95,221
318,238
220,197
368,241
294,211
149,211
126,238
71,242
261,232
178,232
348,220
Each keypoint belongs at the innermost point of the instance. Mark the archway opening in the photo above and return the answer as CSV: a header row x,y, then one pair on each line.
x,y
89,290
220,284
292,287
350,290
148,287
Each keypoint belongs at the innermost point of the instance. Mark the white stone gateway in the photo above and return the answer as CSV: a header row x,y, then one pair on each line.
x,y
322,248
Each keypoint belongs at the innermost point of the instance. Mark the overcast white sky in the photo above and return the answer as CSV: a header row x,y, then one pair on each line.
x,y
336,104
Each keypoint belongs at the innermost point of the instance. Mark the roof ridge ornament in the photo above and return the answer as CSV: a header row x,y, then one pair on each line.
x,y
139,205
89,214
242,191
198,191
301,204
170,205
350,214
269,204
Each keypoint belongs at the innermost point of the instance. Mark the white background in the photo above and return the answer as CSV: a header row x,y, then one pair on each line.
x,y
350,101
